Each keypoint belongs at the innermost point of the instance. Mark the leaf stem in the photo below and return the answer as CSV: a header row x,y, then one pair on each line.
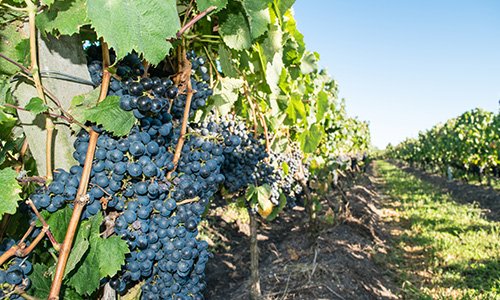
x,y
81,196
194,20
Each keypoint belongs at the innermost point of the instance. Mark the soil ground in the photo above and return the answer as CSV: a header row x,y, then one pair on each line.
x,y
347,259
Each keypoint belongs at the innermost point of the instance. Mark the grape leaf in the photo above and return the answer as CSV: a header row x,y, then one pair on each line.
x,y
226,94
321,105
284,5
204,4
36,106
112,118
7,123
13,44
80,104
295,109
258,16
309,62
79,249
110,254
235,31
103,258
310,139
10,191
58,222
226,62
260,195
85,279
141,25
40,281
277,209
63,17
47,2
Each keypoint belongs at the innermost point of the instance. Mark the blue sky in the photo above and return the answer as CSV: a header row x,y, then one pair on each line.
x,y
407,65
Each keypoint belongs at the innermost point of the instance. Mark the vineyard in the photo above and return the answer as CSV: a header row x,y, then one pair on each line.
x,y
466,146
196,149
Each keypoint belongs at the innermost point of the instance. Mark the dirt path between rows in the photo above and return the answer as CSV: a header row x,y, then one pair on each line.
x,y
345,261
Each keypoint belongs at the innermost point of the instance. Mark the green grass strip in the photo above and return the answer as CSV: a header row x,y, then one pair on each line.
x,y
442,249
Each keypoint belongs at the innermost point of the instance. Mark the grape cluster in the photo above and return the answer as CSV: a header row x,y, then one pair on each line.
x,y
242,152
15,274
160,224
289,165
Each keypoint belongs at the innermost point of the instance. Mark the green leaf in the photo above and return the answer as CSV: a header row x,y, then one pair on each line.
x,y
58,222
226,62
112,118
321,105
63,17
103,258
13,44
85,279
7,123
277,209
295,109
258,16
226,94
261,196
78,250
235,31
110,254
284,5
309,63
36,106
285,167
79,106
41,281
47,2
204,4
310,139
10,191
140,25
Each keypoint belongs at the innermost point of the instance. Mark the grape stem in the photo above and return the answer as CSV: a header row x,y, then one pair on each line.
x,y
81,197
194,20
25,72
187,201
51,237
37,179
184,77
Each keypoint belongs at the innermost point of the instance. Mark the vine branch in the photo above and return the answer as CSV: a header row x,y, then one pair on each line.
x,y
35,71
81,196
184,77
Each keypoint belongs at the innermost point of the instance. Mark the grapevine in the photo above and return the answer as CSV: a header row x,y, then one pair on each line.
x,y
179,115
